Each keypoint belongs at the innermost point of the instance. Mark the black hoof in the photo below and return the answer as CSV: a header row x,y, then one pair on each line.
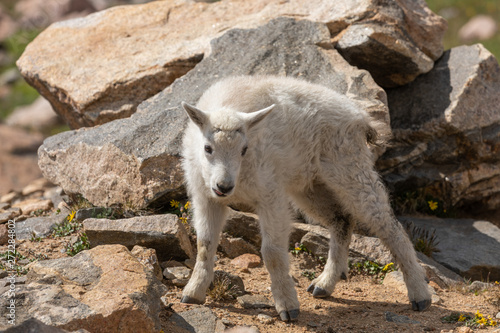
x,y
291,315
421,306
343,276
310,289
320,292
190,300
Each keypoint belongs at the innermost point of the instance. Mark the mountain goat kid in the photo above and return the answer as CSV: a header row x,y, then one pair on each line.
x,y
270,143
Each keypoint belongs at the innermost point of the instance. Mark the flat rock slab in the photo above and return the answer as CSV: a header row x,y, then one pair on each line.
x,y
137,160
37,226
200,320
445,131
164,233
104,289
467,247
255,302
127,54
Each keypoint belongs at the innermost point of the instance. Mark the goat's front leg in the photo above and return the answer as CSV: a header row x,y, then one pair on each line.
x,y
209,218
275,223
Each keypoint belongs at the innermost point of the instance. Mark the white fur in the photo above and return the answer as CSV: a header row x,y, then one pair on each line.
x,y
307,147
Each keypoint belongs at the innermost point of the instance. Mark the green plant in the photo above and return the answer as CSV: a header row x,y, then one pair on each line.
x,y
221,289
299,248
476,321
35,238
311,275
67,227
370,268
182,211
82,243
423,241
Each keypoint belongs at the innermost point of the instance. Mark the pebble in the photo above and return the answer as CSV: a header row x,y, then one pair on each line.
x,y
497,316
265,319
246,261
254,302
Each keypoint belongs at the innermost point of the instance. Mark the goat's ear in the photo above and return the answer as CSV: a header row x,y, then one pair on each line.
x,y
254,118
197,116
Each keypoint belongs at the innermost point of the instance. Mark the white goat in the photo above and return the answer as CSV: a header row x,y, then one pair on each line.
x,y
269,142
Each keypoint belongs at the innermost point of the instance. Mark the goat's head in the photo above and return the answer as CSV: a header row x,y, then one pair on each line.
x,y
224,144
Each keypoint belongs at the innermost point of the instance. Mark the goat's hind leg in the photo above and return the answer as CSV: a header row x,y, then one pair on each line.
x,y
319,203
209,218
360,191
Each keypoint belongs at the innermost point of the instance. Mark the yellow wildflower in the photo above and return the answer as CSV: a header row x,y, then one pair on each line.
x,y
478,314
187,205
174,203
482,321
386,267
497,283
461,318
433,205
493,323
71,216
183,219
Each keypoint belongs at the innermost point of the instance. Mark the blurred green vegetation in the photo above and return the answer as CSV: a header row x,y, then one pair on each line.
x,y
21,93
458,12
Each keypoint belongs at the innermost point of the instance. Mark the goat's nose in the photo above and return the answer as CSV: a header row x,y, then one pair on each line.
x,y
225,188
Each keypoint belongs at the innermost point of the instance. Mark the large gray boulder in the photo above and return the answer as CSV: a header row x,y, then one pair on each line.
x,y
137,160
101,67
445,131
466,246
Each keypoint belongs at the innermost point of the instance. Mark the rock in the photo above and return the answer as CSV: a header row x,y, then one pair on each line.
x,y
382,43
480,27
4,234
164,233
316,243
100,290
37,14
255,302
99,90
147,257
370,248
9,197
200,320
399,319
235,285
38,185
137,159
235,247
443,118
179,275
265,319
437,273
244,225
18,158
9,214
38,116
246,261
243,329
478,286
467,247
37,226
92,212
33,325
33,205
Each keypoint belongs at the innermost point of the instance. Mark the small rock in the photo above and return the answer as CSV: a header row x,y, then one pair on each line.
x,y
179,276
10,214
478,286
38,116
4,234
4,205
36,226
38,185
246,261
497,316
358,290
33,325
148,258
170,263
200,320
33,205
265,319
254,302
235,247
464,329
190,263
479,27
243,329
9,197
398,319
313,324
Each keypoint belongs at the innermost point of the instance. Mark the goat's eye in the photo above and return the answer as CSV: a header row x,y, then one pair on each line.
x,y
208,149
244,151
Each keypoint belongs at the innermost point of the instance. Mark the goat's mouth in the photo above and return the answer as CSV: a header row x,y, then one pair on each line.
x,y
218,193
